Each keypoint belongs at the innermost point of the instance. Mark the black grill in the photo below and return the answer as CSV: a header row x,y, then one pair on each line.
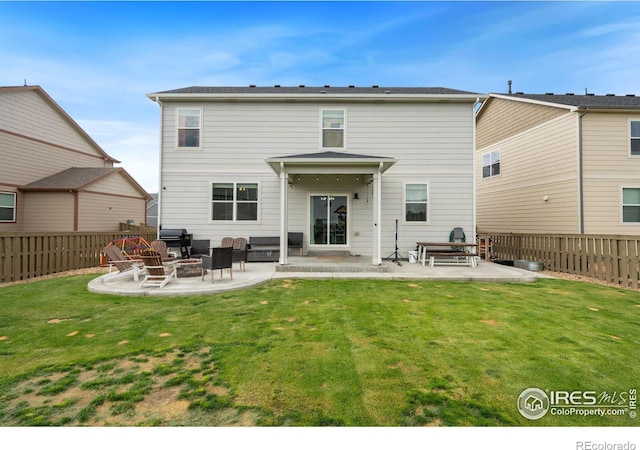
x,y
178,238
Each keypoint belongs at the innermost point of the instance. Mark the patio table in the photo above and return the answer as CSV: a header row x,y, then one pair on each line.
x,y
456,250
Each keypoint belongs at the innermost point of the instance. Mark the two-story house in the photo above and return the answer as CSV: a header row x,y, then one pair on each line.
x,y
352,168
53,175
549,163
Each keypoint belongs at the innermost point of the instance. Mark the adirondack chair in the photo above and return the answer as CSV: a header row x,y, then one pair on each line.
x,y
158,275
121,262
160,247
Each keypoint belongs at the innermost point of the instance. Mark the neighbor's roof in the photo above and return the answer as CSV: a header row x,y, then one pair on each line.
x,y
588,101
79,178
314,92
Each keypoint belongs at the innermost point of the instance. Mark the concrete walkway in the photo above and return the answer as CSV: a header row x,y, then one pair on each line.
x,y
316,268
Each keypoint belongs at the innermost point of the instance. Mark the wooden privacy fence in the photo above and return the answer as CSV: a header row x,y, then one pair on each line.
x,y
611,258
32,254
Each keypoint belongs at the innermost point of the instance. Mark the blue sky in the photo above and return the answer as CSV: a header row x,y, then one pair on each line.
x,y
99,59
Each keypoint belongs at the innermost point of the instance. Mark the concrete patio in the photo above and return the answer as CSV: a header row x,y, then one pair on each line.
x,y
311,267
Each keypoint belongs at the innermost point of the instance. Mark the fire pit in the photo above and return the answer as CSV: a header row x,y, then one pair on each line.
x,y
189,268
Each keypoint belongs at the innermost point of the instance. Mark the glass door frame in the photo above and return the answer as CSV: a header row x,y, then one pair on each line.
x,y
328,246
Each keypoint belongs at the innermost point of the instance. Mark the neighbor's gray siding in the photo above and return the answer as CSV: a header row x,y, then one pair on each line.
x,y
432,142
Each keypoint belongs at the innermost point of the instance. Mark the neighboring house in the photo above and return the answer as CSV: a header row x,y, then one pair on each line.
x,y
558,164
53,175
342,165
152,211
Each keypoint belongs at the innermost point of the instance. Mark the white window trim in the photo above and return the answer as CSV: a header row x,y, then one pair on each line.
x,y
630,138
349,218
482,177
344,130
235,183
404,203
15,208
178,128
622,205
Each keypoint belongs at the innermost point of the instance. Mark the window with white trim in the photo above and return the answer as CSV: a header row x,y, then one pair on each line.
x,y
416,202
7,207
491,164
630,205
234,202
634,130
189,128
332,128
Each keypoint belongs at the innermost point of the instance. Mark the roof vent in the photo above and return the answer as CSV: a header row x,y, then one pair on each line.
x,y
611,95
277,85
569,93
351,86
590,94
301,85
519,93
327,86
375,86
631,95
548,93
252,85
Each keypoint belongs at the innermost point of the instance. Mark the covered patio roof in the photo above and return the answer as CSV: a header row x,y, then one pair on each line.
x,y
329,162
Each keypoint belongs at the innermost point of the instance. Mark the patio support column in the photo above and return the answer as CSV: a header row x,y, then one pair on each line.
x,y
284,233
376,259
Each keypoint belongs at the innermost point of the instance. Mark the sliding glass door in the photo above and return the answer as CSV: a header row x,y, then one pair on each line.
x,y
328,219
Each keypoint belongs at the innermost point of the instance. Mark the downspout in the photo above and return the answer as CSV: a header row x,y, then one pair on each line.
x,y
473,170
159,224
580,173
379,215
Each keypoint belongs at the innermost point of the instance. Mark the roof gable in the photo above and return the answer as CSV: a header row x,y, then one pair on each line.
x,y
63,120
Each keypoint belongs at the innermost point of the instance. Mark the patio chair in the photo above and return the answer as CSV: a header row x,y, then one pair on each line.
x,y
221,258
121,262
226,242
240,252
200,247
158,275
160,247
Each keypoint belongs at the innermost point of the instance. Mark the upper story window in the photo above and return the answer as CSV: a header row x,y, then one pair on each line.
x,y
415,202
332,128
630,205
491,164
189,128
234,201
635,137
7,207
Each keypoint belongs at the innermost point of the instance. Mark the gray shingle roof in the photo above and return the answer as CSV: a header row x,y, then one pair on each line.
x,y
584,101
71,179
315,90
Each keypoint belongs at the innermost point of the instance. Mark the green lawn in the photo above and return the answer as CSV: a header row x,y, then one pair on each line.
x,y
309,352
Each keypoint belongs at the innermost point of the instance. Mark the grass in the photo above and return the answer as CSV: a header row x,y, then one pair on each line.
x,y
312,353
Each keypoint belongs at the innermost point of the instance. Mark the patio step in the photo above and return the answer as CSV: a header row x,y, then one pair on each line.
x,y
318,267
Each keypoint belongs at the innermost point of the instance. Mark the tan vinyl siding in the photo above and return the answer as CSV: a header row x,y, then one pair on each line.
x,y
608,167
504,118
100,212
48,211
23,161
534,164
25,112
